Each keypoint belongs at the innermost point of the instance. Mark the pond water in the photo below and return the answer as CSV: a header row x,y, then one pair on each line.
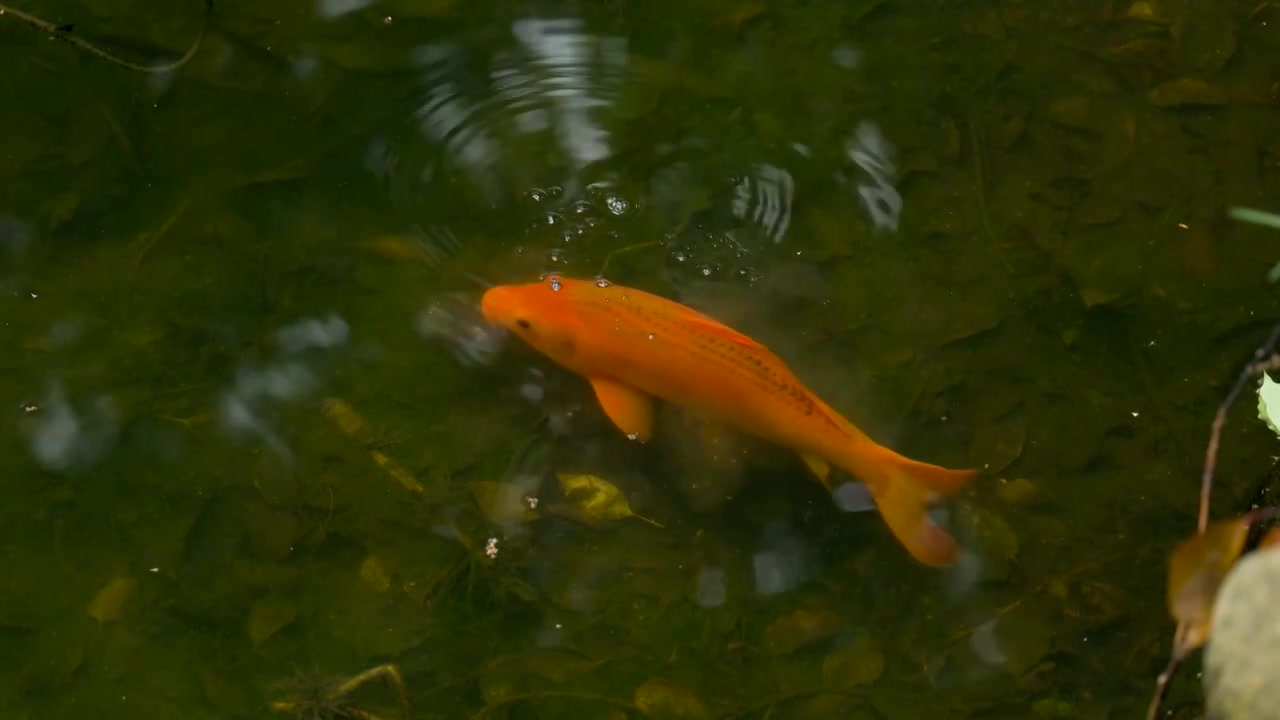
x,y
263,457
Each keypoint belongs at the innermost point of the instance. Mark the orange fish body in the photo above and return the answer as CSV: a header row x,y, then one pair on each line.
x,y
634,346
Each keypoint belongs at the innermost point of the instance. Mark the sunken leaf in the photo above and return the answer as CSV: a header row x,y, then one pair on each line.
x,y
659,698
502,503
598,499
1196,571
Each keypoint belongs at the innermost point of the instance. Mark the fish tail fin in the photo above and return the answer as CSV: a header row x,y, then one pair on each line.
x,y
903,490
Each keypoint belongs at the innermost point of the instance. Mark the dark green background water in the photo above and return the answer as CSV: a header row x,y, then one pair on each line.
x,y
988,232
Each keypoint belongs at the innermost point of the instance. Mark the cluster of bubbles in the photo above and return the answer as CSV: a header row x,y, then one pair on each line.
x,y
243,409
584,225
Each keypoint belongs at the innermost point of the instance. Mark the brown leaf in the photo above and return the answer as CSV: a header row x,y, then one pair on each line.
x,y
1197,568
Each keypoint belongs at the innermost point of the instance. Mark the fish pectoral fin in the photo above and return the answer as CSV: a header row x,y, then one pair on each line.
x,y
628,408
819,468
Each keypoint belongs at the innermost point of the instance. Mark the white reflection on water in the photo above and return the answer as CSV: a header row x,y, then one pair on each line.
x,y
328,332
783,561
330,9
455,321
244,409
764,197
565,58
712,590
556,78
62,438
869,150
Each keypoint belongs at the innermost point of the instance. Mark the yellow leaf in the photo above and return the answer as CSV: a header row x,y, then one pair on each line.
x,y
397,247
374,574
396,471
348,421
107,605
599,499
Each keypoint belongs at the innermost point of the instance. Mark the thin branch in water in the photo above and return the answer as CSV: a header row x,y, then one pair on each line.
x,y
1162,685
64,33
1262,360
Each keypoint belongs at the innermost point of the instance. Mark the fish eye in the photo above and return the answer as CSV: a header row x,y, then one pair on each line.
x,y
523,323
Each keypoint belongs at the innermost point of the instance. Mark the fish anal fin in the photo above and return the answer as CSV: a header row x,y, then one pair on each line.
x,y
629,409
819,467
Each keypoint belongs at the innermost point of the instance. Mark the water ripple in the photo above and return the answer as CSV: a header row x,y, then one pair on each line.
x,y
869,150
555,79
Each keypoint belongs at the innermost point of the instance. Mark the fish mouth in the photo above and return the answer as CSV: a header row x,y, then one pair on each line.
x,y
495,304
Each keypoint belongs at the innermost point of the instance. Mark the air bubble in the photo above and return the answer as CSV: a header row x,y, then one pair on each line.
x,y
679,256
555,284
602,283
537,195
617,204
651,336
581,207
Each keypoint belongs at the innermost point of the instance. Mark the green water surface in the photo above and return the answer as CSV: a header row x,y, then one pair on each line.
x,y
992,233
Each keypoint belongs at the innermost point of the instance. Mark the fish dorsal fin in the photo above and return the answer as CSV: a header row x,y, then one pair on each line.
x,y
719,329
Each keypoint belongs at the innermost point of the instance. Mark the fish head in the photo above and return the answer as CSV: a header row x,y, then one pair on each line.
x,y
542,314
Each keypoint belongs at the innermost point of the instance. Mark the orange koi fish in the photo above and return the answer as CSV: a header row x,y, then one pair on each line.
x,y
633,347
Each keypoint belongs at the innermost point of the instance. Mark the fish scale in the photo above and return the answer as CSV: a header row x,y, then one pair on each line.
x,y
747,363
658,325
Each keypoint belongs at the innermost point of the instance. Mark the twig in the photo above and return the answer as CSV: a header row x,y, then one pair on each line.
x,y
1262,360
63,32
1162,685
